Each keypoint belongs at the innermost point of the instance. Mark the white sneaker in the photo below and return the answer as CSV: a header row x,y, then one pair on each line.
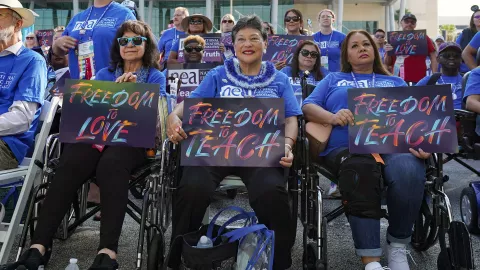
x,y
375,266
397,256
334,191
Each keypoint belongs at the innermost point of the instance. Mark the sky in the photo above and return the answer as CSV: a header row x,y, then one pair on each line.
x,y
460,8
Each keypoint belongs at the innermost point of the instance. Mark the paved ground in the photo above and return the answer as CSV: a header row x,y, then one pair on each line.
x,y
82,245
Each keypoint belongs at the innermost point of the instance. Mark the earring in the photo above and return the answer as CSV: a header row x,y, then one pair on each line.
x,y
264,50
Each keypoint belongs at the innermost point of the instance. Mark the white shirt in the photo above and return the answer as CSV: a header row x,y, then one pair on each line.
x,y
20,115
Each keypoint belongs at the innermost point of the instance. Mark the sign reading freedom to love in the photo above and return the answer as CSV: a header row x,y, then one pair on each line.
x,y
242,132
108,113
392,120
408,42
282,47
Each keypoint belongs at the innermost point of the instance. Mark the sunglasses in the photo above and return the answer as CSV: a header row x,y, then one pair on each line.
x,y
227,21
29,38
379,36
196,21
476,17
136,41
292,18
313,54
191,49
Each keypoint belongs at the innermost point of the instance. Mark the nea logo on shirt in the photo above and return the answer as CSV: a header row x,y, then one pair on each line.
x,y
231,91
105,22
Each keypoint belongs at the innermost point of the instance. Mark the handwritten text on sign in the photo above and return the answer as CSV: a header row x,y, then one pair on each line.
x,y
233,132
282,47
109,113
408,42
392,120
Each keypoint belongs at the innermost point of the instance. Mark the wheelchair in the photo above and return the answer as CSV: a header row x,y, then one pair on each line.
x,y
434,222
152,216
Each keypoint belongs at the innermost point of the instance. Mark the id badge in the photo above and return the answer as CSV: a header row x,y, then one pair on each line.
x,y
454,96
85,60
324,62
85,48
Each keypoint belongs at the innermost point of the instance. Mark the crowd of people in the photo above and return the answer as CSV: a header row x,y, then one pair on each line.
x,y
93,46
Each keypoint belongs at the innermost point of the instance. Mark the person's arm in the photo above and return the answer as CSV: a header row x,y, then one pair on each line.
x,y
313,105
468,56
18,119
291,130
433,62
473,103
173,55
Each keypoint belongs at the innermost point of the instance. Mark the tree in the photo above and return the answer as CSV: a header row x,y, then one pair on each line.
x,y
450,29
397,14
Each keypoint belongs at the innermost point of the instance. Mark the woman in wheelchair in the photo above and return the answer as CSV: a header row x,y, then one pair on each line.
x,y
404,174
246,76
134,58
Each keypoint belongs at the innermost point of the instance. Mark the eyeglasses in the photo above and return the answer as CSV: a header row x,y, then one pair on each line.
x,y
476,16
292,18
227,21
136,41
379,36
448,55
313,54
196,21
29,38
191,49
326,17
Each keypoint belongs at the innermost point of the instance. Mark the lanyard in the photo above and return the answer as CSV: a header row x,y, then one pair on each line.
x,y
358,85
85,23
329,41
456,82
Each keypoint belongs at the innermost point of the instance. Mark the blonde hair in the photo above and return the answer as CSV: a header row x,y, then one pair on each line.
x,y
196,38
184,9
34,38
326,10
228,15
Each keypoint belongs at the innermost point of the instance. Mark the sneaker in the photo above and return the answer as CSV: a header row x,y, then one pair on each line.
x,y
104,262
334,191
31,259
375,266
397,256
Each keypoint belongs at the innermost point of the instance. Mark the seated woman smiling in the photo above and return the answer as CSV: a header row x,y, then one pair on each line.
x,y
403,173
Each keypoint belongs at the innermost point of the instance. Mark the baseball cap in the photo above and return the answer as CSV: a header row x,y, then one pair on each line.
x,y
409,16
448,45
439,37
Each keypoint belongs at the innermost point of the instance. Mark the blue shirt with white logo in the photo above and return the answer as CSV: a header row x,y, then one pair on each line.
x,y
102,35
330,45
331,95
297,87
23,77
217,84
166,41
454,81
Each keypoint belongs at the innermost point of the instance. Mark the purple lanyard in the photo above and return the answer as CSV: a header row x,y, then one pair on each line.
x,y
357,85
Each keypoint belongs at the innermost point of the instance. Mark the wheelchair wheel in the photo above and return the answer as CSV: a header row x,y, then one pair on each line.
x,y
155,252
469,209
232,193
425,230
310,257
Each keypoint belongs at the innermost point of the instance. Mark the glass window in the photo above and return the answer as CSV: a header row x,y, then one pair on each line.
x,y
368,26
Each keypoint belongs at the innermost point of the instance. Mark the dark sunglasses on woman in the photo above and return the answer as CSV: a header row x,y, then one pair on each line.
x,y
227,21
305,53
191,49
29,38
196,21
293,18
136,41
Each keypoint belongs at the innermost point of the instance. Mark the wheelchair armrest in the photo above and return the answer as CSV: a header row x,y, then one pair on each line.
x,y
464,115
325,171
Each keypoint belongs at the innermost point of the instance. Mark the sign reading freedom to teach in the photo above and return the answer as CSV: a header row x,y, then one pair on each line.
x,y
234,132
109,113
392,120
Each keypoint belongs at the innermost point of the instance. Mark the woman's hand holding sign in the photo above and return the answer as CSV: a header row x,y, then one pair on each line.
x,y
287,160
175,131
342,118
127,77
420,153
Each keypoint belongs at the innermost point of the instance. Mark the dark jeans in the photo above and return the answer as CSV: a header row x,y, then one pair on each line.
x,y
267,195
78,163
404,175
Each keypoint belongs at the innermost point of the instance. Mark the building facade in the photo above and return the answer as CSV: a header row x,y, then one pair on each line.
x,y
351,14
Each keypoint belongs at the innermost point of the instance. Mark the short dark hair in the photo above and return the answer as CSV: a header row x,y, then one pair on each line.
x,y
253,22
151,55
379,30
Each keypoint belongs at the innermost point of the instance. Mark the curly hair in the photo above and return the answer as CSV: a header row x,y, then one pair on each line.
x,y
316,71
150,57
196,38
377,62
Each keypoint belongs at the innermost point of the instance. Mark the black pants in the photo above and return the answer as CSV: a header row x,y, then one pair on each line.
x,y
267,194
78,163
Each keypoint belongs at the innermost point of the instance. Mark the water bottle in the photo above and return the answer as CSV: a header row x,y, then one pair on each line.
x,y
204,242
73,265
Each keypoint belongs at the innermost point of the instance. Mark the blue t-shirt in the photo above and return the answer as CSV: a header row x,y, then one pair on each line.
x,y
22,78
175,45
102,35
217,84
166,41
330,45
154,76
473,88
331,95
463,67
297,88
455,81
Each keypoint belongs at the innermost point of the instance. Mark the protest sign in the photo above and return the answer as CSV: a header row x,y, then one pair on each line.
x,y
282,47
394,119
44,37
211,52
237,132
408,42
190,76
109,113
228,43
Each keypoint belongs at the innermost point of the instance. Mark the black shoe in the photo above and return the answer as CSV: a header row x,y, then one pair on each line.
x,y
30,259
104,262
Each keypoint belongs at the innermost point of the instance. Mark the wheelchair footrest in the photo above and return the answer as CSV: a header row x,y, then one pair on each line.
x,y
461,246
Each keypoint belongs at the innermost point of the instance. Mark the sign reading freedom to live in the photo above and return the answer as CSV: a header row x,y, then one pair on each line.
x,y
392,120
282,47
234,132
109,113
408,42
